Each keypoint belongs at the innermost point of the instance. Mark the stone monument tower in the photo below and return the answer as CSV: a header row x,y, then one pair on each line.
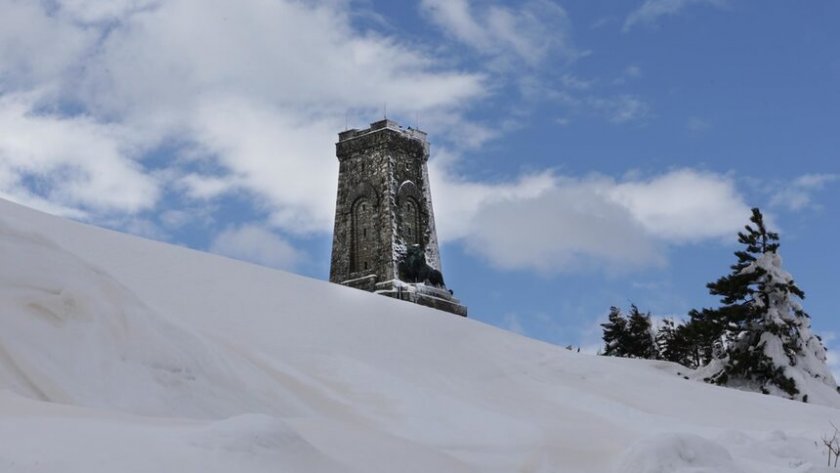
x,y
384,239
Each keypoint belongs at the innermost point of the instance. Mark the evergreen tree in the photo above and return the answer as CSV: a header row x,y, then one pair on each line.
x,y
615,334
683,343
640,338
760,332
629,337
674,343
665,337
704,335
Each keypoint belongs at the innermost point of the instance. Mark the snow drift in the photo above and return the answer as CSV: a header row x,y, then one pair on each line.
x,y
122,354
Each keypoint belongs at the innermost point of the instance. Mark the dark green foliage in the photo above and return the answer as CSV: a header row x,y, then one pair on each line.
x,y
615,333
758,332
705,331
749,362
748,294
666,341
679,343
629,337
640,339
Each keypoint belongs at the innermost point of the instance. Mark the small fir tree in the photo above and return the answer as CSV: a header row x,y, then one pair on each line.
x,y
629,337
674,344
641,341
697,344
615,333
705,334
683,343
665,337
760,333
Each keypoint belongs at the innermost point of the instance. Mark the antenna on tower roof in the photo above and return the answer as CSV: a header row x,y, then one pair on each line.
x,y
385,110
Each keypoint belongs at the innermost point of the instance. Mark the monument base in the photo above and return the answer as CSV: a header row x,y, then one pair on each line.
x,y
419,293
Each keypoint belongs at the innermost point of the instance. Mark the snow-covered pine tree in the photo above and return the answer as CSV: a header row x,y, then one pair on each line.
x,y
665,339
768,341
641,341
615,333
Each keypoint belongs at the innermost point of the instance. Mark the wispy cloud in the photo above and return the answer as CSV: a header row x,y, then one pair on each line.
x,y
572,82
629,73
649,13
799,193
622,108
602,22
529,34
633,71
615,108
697,124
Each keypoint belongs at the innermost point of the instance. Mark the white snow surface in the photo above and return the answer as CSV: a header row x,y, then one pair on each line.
x,y
122,354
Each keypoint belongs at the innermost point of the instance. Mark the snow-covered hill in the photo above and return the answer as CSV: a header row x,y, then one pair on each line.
x,y
121,354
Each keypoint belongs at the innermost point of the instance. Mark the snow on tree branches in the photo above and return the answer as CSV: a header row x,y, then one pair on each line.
x,y
759,339
765,333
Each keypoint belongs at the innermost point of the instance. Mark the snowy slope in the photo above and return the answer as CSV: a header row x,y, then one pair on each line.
x,y
121,354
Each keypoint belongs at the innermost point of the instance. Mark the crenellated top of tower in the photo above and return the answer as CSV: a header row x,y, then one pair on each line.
x,y
382,125
380,134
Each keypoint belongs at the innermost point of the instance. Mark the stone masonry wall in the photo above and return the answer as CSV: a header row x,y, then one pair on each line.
x,y
383,205
373,164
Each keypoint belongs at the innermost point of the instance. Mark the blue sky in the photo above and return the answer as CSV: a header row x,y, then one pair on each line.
x,y
584,154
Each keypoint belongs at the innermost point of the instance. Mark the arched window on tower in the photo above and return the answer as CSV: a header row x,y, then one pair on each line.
x,y
363,233
410,221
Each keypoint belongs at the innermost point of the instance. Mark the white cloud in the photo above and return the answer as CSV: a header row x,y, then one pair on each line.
x,y
75,161
566,229
652,10
684,205
22,196
37,48
299,185
185,53
530,33
252,91
552,223
258,245
96,11
798,194
464,199
204,187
